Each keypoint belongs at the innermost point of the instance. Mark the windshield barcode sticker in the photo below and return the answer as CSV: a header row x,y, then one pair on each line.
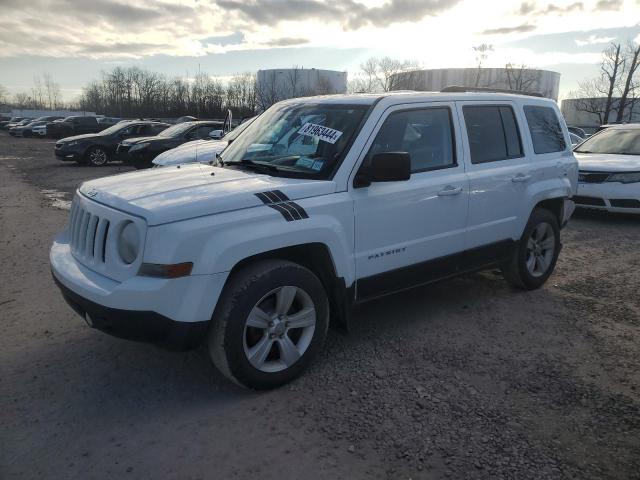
x,y
323,133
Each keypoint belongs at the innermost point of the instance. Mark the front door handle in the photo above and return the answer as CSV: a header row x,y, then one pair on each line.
x,y
521,177
450,190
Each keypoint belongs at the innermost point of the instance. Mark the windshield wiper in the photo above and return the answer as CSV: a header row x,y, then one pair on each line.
x,y
253,164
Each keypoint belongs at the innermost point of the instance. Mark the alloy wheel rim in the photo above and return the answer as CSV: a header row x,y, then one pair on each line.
x,y
279,329
540,249
98,157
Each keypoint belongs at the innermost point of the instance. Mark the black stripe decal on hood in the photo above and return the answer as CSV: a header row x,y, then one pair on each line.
x,y
277,200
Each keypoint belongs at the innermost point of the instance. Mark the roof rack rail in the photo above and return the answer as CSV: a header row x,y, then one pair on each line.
x,y
461,89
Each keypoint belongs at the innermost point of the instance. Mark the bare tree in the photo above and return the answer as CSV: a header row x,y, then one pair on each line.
x,y
520,77
4,94
386,74
37,92
482,53
22,100
589,98
52,91
610,68
632,62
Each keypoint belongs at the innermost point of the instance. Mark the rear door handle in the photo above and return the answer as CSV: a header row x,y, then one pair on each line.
x,y
521,177
450,190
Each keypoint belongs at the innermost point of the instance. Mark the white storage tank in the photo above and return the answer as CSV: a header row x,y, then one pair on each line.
x,y
545,82
281,83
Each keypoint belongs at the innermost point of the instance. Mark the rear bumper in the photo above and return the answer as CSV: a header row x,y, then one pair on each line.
x,y
609,196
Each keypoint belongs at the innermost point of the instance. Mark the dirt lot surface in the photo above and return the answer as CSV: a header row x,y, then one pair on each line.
x,y
464,379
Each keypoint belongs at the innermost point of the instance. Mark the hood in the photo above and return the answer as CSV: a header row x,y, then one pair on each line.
x,y
163,195
608,162
78,137
196,151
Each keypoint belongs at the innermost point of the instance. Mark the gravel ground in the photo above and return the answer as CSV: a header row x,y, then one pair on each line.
x,y
462,379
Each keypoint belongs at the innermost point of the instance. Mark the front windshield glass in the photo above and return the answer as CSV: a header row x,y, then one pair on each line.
x,y
297,138
614,141
233,134
176,130
113,129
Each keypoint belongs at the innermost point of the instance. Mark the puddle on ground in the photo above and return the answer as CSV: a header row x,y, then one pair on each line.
x,y
57,199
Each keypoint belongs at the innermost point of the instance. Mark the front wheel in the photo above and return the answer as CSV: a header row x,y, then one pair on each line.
x,y
535,255
270,322
97,156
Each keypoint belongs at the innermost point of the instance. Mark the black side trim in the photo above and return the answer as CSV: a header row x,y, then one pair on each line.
x,y
624,202
581,200
433,270
141,326
277,200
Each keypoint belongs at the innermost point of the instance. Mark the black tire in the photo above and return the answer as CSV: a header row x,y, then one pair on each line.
x,y
517,271
97,157
229,333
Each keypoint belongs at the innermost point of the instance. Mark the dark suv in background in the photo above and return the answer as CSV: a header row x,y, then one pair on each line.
x,y
76,125
99,148
140,152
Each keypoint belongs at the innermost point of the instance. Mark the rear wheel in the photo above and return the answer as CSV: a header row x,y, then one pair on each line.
x,y
535,255
270,322
97,156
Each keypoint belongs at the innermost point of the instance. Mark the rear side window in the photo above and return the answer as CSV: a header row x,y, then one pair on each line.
x,y
426,134
546,132
493,133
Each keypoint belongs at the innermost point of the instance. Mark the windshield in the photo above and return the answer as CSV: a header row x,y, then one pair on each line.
x,y
301,138
233,134
614,141
113,129
176,130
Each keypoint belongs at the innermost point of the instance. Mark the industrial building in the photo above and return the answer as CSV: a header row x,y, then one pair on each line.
x,y
279,84
588,113
545,82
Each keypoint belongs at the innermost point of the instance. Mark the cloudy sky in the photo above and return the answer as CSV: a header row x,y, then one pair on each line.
x,y
75,39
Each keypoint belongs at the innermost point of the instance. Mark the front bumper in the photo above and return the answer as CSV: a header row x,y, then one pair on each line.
x,y
67,155
609,196
174,313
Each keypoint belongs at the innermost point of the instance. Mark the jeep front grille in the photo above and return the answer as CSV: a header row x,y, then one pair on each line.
x,y
89,234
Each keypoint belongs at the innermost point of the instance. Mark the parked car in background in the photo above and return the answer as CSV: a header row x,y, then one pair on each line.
x,y
141,151
12,127
186,118
13,120
200,150
253,256
74,125
609,163
27,130
577,131
108,121
98,149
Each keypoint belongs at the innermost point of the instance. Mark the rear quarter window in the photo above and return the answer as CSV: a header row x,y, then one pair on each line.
x,y
545,129
493,133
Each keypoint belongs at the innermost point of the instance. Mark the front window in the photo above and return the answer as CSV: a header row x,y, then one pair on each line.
x,y
614,141
176,130
112,129
297,138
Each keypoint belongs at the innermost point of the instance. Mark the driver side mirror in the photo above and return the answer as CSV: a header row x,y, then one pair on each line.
x,y
385,167
216,134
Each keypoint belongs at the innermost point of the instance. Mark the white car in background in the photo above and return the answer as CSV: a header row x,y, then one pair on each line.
x,y
203,151
609,164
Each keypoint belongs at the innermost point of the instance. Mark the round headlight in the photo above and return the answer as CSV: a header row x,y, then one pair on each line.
x,y
129,243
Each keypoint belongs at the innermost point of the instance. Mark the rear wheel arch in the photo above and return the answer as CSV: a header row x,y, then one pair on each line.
x,y
553,205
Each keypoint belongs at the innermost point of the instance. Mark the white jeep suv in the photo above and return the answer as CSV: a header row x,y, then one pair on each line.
x,y
320,204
